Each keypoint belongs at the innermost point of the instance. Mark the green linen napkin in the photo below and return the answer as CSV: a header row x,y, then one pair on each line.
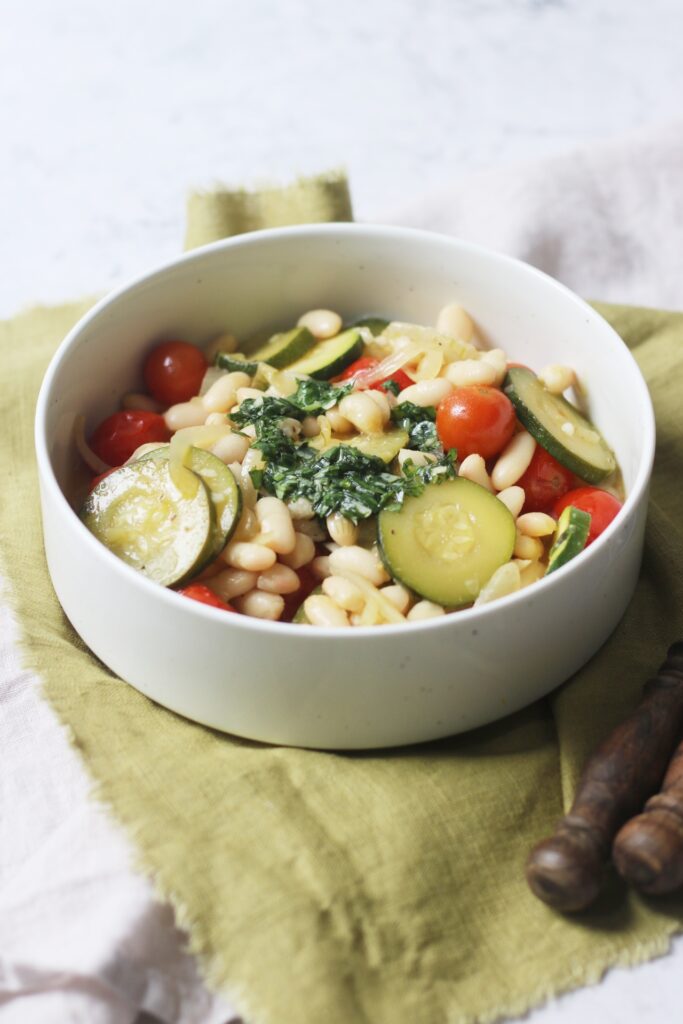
x,y
367,887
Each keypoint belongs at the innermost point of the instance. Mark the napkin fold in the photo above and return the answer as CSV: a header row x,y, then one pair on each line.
x,y
378,886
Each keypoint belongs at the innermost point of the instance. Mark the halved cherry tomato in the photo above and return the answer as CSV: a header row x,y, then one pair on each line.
x,y
174,371
120,434
400,378
544,481
475,419
601,505
200,592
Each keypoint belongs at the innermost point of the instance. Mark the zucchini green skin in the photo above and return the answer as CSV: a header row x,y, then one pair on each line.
x,y
300,618
285,348
375,324
139,514
447,542
223,489
234,363
331,356
584,452
570,537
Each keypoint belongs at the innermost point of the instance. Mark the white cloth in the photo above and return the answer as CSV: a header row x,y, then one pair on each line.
x,y
606,220
81,935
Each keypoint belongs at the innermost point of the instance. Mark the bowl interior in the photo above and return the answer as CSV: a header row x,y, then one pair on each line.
x,y
266,280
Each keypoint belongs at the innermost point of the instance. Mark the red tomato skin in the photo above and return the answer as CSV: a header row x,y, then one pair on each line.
x,y
117,437
173,372
601,505
544,481
365,363
475,419
200,592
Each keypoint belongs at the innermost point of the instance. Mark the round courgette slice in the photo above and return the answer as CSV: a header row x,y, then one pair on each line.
x,y
224,490
331,356
447,542
571,537
141,516
559,427
283,349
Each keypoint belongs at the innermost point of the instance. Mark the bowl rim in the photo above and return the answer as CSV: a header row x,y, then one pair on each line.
x,y
465,617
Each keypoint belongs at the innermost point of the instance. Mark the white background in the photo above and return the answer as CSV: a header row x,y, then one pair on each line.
x,y
109,114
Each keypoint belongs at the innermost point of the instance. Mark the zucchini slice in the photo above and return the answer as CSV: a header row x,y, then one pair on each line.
x,y
570,537
384,446
285,348
447,542
375,324
223,489
331,356
234,361
559,427
300,617
141,516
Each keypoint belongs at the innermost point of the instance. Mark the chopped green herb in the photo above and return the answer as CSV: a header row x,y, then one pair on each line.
x,y
391,385
419,422
314,397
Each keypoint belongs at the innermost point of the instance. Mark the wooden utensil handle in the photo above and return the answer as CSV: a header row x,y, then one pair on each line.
x,y
648,850
566,869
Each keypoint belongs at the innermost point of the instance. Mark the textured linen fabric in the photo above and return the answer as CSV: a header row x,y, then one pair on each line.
x,y
360,887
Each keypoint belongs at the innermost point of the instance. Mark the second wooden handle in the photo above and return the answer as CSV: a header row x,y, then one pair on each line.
x,y
566,869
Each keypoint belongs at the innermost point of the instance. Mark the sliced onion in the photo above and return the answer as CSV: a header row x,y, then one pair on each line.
x,y
213,373
92,461
388,611
391,364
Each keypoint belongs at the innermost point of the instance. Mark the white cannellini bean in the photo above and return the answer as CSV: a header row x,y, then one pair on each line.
x,y
300,508
496,358
514,461
310,426
246,392
532,572
341,530
557,378
417,458
143,402
231,448
345,594
279,579
361,561
453,320
320,566
260,605
360,410
505,580
473,468
383,403
424,610
322,323
426,392
338,423
232,583
221,396
277,529
321,611
216,419
250,556
185,414
536,524
513,498
528,547
466,372
303,553
290,427
398,595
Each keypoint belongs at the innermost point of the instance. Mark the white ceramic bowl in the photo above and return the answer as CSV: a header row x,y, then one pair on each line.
x,y
369,687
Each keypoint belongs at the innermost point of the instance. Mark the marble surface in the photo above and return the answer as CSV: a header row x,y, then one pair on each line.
x,y
109,114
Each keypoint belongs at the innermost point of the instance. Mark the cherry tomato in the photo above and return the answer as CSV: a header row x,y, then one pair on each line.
x,y
174,371
544,481
366,363
475,419
200,592
601,505
120,434
96,479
